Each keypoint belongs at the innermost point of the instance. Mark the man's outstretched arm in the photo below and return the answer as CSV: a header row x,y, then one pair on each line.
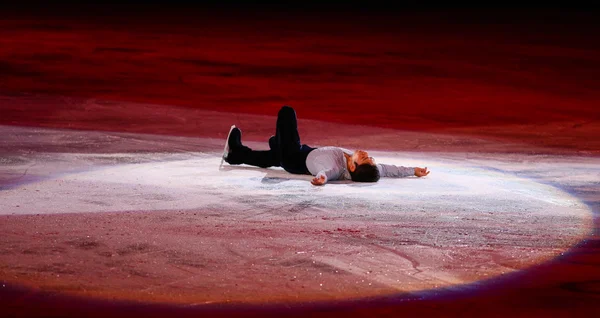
x,y
325,175
392,171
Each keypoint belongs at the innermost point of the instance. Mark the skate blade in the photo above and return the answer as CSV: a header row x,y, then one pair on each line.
x,y
226,148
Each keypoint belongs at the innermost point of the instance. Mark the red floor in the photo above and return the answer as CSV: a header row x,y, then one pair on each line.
x,y
532,83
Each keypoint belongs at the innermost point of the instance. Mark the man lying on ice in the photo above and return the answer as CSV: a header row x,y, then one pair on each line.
x,y
325,163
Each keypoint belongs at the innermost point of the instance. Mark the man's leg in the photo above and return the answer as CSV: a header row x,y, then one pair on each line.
x,y
240,154
292,153
260,158
288,138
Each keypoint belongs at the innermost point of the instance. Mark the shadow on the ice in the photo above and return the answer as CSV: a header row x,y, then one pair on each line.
x,y
277,175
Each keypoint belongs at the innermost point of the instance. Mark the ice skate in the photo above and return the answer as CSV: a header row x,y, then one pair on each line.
x,y
234,149
226,148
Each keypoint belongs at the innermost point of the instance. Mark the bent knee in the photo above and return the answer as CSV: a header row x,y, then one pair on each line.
x,y
285,110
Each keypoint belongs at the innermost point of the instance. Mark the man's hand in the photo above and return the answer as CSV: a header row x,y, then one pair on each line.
x,y
318,181
421,172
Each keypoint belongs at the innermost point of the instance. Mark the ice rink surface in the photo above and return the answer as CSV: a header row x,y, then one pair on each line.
x,y
166,225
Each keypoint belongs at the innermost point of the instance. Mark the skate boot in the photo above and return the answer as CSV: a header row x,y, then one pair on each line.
x,y
235,151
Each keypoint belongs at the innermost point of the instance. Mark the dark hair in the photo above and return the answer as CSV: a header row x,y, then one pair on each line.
x,y
365,173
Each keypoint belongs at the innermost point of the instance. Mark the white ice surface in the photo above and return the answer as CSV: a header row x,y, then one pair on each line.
x,y
199,182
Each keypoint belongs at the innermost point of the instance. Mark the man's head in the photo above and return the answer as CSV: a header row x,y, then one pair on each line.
x,y
362,168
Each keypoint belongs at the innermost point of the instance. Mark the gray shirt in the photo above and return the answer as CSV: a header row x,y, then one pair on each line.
x,y
331,163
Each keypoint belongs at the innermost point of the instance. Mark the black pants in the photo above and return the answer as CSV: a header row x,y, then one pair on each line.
x,y
285,151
